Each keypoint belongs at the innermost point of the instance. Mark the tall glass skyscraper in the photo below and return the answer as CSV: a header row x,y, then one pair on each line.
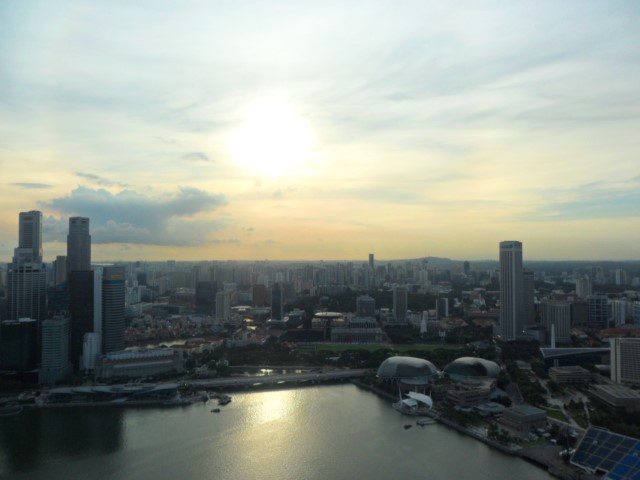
x,y
511,290
113,298
78,245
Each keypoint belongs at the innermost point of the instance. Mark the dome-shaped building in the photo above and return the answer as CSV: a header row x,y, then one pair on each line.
x,y
471,367
408,373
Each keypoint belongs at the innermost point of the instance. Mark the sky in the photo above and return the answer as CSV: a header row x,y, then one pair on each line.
x,y
323,130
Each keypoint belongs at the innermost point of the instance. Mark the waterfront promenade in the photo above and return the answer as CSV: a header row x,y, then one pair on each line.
x,y
233,382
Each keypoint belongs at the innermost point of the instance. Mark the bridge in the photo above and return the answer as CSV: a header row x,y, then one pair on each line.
x,y
232,382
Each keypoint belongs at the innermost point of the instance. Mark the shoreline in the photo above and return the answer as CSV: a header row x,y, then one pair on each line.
x,y
520,452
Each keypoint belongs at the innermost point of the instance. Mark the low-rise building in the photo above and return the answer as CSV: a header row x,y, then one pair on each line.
x,y
139,362
572,374
617,397
470,393
524,418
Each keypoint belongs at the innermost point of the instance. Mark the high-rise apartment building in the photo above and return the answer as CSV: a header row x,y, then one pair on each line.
x,y
113,309
556,318
206,297
511,290
78,245
625,360
598,316
55,364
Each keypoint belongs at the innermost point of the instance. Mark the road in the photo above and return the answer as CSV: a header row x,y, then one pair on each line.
x,y
274,379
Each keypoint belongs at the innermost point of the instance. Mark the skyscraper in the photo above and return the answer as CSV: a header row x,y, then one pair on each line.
x,y
556,316
113,297
78,245
400,304
55,350
372,261
528,300
223,306
598,311
511,290
206,297
30,235
277,302
26,276
442,307
60,269
81,311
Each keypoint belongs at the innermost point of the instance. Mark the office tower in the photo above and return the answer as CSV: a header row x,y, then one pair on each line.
x,y
511,290
58,300
19,344
81,310
30,236
113,298
579,313
442,307
625,360
55,364
619,312
583,287
92,341
365,306
372,261
26,277
635,312
223,306
78,245
206,297
60,269
400,304
142,278
277,302
259,295
598,316
556,315
528,300
466,267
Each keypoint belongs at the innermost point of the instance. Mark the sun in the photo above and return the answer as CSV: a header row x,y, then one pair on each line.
x,y
273,140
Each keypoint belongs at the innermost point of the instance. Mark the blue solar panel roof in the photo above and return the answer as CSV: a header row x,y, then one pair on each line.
x,y
617,456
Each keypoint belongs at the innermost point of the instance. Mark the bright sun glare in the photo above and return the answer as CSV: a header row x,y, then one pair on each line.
x,y
273,140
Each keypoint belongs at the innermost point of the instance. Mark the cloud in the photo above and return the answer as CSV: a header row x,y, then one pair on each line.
x,y
135,218
225,240
35,186
197,157
598,199
105,182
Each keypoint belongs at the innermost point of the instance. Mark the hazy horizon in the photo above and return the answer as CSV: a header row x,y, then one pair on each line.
x,y
253,130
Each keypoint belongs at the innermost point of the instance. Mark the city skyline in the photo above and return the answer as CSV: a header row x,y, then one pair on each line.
x,y
252,133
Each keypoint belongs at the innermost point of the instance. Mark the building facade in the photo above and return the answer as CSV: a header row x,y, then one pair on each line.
x,y
625,360
511,290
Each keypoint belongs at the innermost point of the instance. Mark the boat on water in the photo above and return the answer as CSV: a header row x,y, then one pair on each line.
x,y
425,421
408,426
224,399
10,410
215,410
